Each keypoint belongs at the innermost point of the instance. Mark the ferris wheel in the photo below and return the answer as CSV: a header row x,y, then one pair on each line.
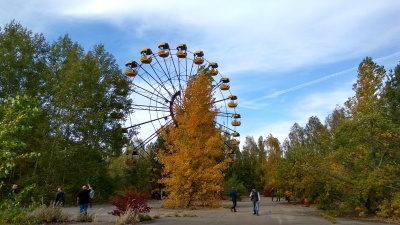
x,y
159,81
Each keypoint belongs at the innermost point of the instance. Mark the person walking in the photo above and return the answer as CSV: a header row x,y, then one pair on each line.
x,y
83,199
232,193
60,197
272,193
255,199
91,195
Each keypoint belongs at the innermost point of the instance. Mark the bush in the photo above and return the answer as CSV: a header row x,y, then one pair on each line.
x,y
240,188
50,214
14,212
129,206
144,217
11,212
390,209
85,218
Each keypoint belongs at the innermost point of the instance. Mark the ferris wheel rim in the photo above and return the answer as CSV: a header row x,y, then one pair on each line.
x,y
167,83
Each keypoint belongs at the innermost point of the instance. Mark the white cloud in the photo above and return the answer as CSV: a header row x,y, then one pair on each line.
x,y
242,36
320,104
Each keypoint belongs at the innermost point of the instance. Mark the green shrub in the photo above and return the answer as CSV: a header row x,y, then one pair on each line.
x,y
85,218
390,208
240,188
14,212
144,217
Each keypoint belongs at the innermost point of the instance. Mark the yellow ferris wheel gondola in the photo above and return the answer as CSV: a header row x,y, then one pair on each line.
x,y
236,120
164,50
130,70
145,55
130,153
229,160
224,87
232,103
213,68
198,57
230,152
181,53
235,134
234,142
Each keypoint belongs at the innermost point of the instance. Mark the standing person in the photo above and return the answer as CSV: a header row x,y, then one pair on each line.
x,y
13,191
272,193
91,195
60,197
232,193
278,195
255,199
83,199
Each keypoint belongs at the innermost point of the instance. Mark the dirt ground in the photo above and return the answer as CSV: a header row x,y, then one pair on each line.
x,y
271,213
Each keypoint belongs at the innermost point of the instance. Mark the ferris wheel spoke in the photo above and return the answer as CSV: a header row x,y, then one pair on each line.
x,y
163,83
151,86
220,100
225,127
150,121
166,72
150,108
151,96
217,86
143,143
182,73
158,80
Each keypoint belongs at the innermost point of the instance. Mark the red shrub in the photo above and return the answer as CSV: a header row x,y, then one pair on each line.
x,y
129,202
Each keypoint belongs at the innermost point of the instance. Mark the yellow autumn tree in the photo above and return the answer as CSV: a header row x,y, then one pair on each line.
x,y
192,173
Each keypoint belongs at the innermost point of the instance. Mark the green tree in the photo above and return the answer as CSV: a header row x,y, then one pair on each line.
x,y
17,117
391,94
364,156
251,169
80,101
23,61
82,94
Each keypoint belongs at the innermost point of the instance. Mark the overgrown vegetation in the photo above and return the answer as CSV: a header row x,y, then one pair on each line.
x,y
50,214
131,207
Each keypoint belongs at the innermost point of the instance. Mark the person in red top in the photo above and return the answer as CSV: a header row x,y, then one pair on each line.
x,y
83,199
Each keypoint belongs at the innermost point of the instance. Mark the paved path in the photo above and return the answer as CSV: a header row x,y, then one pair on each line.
x,y
271,213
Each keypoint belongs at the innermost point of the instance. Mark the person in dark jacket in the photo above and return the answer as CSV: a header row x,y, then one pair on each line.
x,y
232,193
272,193
60,197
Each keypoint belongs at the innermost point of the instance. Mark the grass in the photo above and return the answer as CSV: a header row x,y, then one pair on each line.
x,y
329,217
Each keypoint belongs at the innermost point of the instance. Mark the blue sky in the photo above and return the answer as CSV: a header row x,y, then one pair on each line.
x,y
287,60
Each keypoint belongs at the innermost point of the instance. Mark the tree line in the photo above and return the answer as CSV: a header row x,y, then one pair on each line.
x,y
351,161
